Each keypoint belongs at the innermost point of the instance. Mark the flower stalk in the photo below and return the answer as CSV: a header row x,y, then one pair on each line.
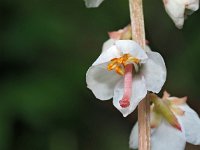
x,y
138,35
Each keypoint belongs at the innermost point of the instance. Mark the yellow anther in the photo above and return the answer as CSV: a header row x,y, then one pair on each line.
x,y
120,70
112,65
118,64
133,60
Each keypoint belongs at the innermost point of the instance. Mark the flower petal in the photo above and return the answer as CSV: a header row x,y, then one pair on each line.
x,y
191,125
192,5
93,3
147,49
107,55
154,72
101,81
131,47
139,91
177,111
166,137
116,35
176,11
133,141
108,44
177,101
165,95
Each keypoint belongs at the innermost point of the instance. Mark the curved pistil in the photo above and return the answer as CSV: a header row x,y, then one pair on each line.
x,y
128,77
124,66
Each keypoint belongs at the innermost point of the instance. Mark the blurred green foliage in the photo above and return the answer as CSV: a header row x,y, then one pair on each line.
x,y
46,48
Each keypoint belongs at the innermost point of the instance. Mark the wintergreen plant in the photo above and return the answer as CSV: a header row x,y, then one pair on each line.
x,y
127,71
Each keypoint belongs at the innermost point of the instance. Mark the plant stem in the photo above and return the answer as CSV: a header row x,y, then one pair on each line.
x,y
138,35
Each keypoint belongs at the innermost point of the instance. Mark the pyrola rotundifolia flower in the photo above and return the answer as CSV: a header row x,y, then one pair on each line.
x,y
93,3
179,9
173,124
125,72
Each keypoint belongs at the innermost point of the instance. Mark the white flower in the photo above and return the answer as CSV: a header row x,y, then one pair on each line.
x,y
93,3
179,9
125,72
166,137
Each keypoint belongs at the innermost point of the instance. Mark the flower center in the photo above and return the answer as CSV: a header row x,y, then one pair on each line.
x,y
124,66
119,64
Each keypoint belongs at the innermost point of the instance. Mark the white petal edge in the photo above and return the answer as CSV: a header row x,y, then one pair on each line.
x,y
175,10
154,72
101,81
139,91
131,47
108,44
107,55
133,140
93,3
147,49
192,5
191,123
166,137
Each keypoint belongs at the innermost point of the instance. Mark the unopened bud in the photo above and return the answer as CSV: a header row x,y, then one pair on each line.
x,y
163,108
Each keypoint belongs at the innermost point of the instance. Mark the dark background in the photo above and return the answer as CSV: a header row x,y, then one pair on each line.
x,y
46,48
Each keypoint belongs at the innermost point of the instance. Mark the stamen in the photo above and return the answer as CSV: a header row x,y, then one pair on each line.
x,y
119,70
132,60
112,65
119,64
124,66
125,102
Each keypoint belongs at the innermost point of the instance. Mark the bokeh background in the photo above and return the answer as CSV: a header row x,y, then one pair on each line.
x,y
46,48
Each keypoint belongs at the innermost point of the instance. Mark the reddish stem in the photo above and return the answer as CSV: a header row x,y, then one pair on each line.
x,y
138,34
